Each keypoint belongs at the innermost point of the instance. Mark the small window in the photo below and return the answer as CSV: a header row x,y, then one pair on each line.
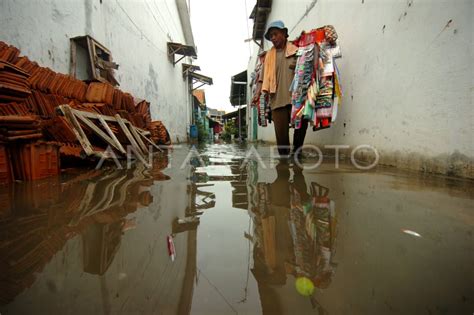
x,y
91,61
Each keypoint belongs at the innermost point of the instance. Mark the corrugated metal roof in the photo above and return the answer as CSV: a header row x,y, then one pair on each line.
x,y
238,89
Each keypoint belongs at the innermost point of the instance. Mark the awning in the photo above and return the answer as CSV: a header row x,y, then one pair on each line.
x,y
235,114
259,15
180,49
213,122
189,68
238,89
196,77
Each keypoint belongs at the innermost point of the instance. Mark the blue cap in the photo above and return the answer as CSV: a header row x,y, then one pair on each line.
x,y
275,24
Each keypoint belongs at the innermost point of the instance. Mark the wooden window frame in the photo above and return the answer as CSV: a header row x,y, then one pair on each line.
x,y
101,65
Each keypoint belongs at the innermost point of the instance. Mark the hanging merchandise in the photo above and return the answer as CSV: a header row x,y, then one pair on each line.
x,y
301,82
263,110
316,90
260,100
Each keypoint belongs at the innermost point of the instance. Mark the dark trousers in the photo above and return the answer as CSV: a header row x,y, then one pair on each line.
x,y
281,121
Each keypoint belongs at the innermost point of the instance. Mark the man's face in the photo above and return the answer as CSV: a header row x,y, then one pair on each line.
x,y
277,37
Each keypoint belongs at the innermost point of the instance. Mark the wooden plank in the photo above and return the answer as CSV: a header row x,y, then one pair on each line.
x,y
77,129
143,132
90,48
32,136
94,115
21,132
72,67
106,118
111,134
18,118
138,139
151,142
100,133
130,138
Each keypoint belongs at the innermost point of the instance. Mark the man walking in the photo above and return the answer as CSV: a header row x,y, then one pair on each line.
x,y
278,73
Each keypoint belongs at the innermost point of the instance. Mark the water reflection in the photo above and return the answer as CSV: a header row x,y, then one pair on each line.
x,y
294,235
38,218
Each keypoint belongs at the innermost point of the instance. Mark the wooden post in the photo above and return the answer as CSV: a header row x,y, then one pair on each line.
x,y
111,133
131,139
139,140
143,134
80,135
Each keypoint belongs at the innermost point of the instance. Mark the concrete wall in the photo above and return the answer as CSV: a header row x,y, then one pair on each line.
x,y
136,32
407,75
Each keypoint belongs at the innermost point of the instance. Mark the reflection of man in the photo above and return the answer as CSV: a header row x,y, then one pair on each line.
x,y
278,73
295,235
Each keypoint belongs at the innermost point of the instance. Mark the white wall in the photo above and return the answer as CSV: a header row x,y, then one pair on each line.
x,y
407,75
136,32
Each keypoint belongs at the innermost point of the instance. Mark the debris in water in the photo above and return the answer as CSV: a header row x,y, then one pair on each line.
x,y
171,251
411,233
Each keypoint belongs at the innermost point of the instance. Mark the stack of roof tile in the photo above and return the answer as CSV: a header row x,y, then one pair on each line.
x,y
8,53
69,149
14,109
100,93
44,104
48,81
30,94
26,64
14,127
159,134
143,115
35,160
59,130
14,86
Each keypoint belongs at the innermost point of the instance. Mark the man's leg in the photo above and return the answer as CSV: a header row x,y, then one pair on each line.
x,y
299,135
281,121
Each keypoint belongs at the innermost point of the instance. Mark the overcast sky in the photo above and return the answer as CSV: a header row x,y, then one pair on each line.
x,y
219,30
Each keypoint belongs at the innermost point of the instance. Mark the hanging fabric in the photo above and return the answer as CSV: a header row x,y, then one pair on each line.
x,y
316,86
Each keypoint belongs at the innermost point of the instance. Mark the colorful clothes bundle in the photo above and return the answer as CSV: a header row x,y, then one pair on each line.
x,y
301,82
316,90
263,110
260,99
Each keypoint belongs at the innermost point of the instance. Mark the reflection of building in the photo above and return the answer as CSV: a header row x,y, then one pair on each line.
x,y
42,217
81,243
100,244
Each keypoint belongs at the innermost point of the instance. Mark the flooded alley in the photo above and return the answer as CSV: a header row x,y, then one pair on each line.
x,y
216,230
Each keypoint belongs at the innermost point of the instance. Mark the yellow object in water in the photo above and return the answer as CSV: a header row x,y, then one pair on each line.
x,y
304,286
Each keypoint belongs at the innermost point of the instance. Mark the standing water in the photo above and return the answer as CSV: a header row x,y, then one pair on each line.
x,y
212,231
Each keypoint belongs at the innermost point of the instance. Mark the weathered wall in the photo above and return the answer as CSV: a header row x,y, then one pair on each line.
x,y
407,75
135,32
